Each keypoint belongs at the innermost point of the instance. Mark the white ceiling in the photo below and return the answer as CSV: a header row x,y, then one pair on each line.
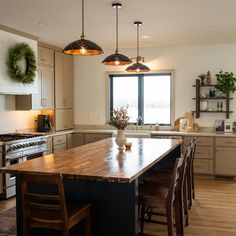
x,y
167,22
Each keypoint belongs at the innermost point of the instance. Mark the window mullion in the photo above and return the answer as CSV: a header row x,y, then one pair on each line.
x,y
141,97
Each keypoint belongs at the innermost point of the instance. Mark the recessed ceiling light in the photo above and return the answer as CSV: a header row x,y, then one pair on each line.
x,y
41,23
145,37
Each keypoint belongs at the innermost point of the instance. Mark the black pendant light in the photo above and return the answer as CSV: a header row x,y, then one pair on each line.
x,y
138,66
83,47
116,59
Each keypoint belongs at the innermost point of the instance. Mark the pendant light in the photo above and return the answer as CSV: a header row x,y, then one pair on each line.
x,y
138,66
116,59
82,46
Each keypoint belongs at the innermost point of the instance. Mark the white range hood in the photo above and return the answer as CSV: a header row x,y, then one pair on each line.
x,y
8,85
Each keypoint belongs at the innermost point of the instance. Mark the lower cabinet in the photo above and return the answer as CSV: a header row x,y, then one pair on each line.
x,y
49,146
204,154
59,143
225,156
75,140
93,137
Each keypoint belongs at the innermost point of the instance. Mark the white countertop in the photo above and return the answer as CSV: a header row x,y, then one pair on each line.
x,y
141,133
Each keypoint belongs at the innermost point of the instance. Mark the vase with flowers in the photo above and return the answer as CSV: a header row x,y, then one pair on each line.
x,y
120,120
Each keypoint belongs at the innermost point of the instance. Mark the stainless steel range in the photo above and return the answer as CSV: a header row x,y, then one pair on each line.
x,y
16,148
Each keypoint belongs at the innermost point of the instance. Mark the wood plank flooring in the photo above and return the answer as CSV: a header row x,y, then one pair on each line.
x,y
213,212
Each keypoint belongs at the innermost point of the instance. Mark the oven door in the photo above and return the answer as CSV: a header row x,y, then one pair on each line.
x,y
10,178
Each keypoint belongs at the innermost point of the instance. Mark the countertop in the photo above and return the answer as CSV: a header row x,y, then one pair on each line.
x,y
141,133
101,161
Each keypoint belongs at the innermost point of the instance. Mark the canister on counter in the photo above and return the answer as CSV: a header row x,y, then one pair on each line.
x,y
157,127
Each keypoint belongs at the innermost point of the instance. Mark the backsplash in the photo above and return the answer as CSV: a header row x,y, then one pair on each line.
x,y
15,121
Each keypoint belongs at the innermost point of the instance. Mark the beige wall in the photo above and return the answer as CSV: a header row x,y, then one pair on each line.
x,y
188,62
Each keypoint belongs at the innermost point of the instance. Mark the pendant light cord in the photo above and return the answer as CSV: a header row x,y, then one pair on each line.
x,y
137,42
82,36
117,29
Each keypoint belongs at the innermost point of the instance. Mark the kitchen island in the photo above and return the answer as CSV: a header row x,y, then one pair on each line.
x,y
97,172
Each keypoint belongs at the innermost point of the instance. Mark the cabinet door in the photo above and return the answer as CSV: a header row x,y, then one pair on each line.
x,y
64,119
75,140
37,98
47,87
45,56
64,80
49,146
225,161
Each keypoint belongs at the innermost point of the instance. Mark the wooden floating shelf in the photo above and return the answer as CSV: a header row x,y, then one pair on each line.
x,y
215,111
214,98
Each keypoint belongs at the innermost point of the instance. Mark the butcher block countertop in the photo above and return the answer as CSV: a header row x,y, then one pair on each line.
x,y
101,161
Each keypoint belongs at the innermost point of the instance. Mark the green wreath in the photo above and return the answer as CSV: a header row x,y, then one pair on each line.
x,y
17,53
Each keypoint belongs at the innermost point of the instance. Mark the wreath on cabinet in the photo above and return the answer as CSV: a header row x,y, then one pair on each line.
x,y
22,63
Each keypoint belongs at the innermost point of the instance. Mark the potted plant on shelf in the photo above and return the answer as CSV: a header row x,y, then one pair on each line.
x,y
226,82
120,120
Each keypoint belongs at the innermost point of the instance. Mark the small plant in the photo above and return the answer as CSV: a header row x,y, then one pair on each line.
x,y
120,118
226,82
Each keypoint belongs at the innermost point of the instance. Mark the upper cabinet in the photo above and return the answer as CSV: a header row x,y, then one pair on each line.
x,y
45,56
44,99
64,80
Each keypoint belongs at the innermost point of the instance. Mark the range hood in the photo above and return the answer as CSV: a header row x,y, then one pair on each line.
x,y
7,84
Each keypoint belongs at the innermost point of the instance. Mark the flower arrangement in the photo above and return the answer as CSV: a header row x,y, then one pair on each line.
x,y
120,118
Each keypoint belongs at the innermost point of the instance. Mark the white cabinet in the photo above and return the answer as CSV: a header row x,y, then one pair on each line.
x,y
59,143
64,119
45,56
44,99
64,80
49,146
64,91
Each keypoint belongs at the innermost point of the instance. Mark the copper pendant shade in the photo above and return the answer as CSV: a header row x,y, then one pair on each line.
x,y
138,66
116,59
83,47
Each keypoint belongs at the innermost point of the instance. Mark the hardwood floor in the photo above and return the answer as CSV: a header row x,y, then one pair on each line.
x,y
213,212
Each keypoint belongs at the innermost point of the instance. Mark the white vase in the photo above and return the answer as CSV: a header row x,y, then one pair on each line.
x,y
120,139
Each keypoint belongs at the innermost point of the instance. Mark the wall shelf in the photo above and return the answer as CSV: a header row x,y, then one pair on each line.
x,y
198,100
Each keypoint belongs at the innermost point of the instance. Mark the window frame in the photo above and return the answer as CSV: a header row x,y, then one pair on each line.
x,y
109,97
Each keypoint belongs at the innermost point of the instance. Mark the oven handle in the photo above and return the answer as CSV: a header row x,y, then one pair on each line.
x,y
14,158
36,153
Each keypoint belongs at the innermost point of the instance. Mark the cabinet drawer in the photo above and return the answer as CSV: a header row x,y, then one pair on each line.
x,y
59,148
201,141
204,153
203,166
89,138
225,142
60,139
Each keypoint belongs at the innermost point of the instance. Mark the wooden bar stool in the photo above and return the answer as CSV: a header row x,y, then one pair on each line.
x,y
50,211
154,195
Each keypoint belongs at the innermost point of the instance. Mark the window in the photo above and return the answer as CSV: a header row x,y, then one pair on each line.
x,y
148,96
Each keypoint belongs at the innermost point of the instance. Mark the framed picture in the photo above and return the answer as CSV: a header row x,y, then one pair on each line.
x,y
220,125
183,124
228,127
